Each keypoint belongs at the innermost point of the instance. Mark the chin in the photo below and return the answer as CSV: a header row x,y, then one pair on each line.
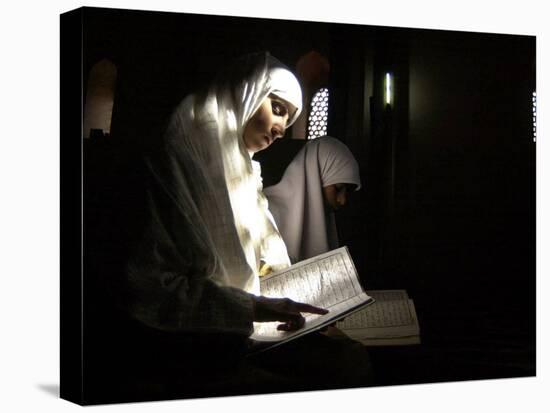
x,y
261,146
257,146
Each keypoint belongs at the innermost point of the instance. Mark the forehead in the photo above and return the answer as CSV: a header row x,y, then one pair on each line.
x,y
347,186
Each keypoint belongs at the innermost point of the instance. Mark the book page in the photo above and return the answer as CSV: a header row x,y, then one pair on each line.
x,y
328,281
323,281
392,315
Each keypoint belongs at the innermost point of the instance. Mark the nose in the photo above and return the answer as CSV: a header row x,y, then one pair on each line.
x,y
277,132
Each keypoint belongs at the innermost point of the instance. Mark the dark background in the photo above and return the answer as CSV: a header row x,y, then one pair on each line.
x,y
447,209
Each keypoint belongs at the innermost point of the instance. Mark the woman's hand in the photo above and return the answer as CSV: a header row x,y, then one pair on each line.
x,y
284,310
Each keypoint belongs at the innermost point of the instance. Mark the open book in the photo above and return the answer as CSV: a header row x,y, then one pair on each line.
x,y
328,280
391,320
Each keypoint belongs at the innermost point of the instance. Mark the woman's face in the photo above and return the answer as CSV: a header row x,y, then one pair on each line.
x,y
336,196
267,124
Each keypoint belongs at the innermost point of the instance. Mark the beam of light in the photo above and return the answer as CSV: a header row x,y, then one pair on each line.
x,y
388,89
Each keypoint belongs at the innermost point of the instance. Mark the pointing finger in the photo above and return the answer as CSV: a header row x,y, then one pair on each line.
x,y
308,308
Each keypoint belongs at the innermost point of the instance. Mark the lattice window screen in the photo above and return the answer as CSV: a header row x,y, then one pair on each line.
x,y
317,122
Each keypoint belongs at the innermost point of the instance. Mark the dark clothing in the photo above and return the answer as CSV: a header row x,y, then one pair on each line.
x,y
136,364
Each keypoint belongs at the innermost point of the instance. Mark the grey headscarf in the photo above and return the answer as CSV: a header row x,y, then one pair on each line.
x,y
297,203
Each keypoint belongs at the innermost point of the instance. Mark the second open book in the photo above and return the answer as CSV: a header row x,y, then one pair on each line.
x,y
328,281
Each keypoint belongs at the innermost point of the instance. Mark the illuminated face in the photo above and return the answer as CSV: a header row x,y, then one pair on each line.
x,y
336,195
267,124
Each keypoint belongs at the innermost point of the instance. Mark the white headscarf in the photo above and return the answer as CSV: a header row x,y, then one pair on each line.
x,y
233,100
211,226
306,224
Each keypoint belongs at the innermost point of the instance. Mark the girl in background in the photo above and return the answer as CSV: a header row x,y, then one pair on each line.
x,y
316,183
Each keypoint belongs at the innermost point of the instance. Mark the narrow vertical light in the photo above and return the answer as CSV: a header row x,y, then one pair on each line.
x,y
534,116
388,89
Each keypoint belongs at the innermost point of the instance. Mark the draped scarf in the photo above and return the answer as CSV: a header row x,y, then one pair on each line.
x,y
297,203
210,227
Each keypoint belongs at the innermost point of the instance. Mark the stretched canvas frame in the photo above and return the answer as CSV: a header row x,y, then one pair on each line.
x,y
449,203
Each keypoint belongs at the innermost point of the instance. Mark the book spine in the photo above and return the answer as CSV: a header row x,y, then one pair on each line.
x,y
71,228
